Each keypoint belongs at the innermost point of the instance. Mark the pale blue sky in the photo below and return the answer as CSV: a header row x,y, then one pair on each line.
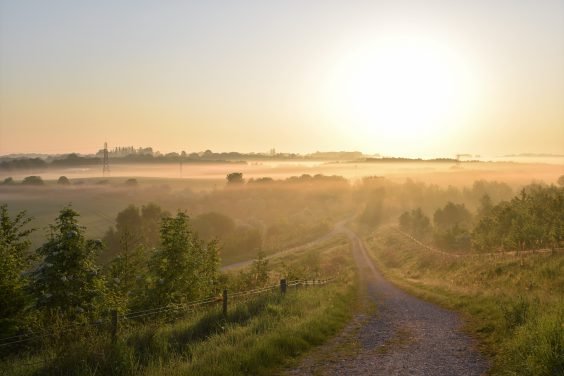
x,y
250,75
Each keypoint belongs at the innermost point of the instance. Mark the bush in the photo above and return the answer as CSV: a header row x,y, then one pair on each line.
x,y
63,180
9,181
235,178
33,180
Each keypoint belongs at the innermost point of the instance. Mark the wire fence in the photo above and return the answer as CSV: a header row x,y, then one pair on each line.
x,y
498,253
132,316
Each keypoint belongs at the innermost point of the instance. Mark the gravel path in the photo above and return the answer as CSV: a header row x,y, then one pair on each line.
x,y
403,335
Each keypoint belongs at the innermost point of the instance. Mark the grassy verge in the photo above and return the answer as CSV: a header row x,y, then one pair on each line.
x,y
513,305
257,336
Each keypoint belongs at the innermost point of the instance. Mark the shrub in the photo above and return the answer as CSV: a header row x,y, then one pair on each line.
x,y
63,180
33,180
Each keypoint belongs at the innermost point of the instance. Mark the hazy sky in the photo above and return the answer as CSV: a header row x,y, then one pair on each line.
x,y
396,77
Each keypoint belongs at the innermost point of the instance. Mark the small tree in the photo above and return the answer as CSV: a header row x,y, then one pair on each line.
x,y
184,268
14,261
63,180
235,178
32,180
452,215
68,280
125,284
415,222
486,206
137,227
131,182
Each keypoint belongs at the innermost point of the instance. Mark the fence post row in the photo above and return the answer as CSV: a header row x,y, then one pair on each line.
x,y
283,286
114,322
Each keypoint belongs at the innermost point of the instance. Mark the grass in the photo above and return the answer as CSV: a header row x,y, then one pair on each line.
x,y
258,336
513,305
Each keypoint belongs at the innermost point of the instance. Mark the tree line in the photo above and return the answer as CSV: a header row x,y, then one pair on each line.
x,y
62,279
531,220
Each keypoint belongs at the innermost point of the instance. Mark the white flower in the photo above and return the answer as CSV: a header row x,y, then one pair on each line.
x,y
47,295
64,278
161,281
116,280
79,309
48,264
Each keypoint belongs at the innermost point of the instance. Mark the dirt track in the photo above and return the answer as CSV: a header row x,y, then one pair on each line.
x,y
403,335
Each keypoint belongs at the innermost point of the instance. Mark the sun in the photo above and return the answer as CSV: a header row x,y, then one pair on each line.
x,y
400,89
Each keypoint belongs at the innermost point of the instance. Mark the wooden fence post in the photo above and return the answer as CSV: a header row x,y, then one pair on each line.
x,y
283,286
114,325
224,303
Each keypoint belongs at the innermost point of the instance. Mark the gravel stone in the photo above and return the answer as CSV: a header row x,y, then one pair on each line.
x,y
403,336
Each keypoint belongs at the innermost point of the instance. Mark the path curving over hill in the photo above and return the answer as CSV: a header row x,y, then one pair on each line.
x,y
403,335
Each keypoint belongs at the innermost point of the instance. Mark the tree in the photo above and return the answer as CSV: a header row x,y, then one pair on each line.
x,y
415,222
68,279
136,227
9,181
126,287
63,180
533,219
452,224
235,178
127,231
485,207
14,261
151,216
213,225
560,181
452,215
184,268
32,180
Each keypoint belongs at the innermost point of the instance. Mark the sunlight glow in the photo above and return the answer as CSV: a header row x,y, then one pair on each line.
x,y
400,89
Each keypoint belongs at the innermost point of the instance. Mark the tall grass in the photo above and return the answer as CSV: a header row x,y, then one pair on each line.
x,y
514,305
258,334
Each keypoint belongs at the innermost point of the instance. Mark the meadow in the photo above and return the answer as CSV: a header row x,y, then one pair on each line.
x,y
514,304
259,334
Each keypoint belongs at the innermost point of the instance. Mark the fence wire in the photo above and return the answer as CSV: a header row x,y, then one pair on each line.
x,y
188,306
